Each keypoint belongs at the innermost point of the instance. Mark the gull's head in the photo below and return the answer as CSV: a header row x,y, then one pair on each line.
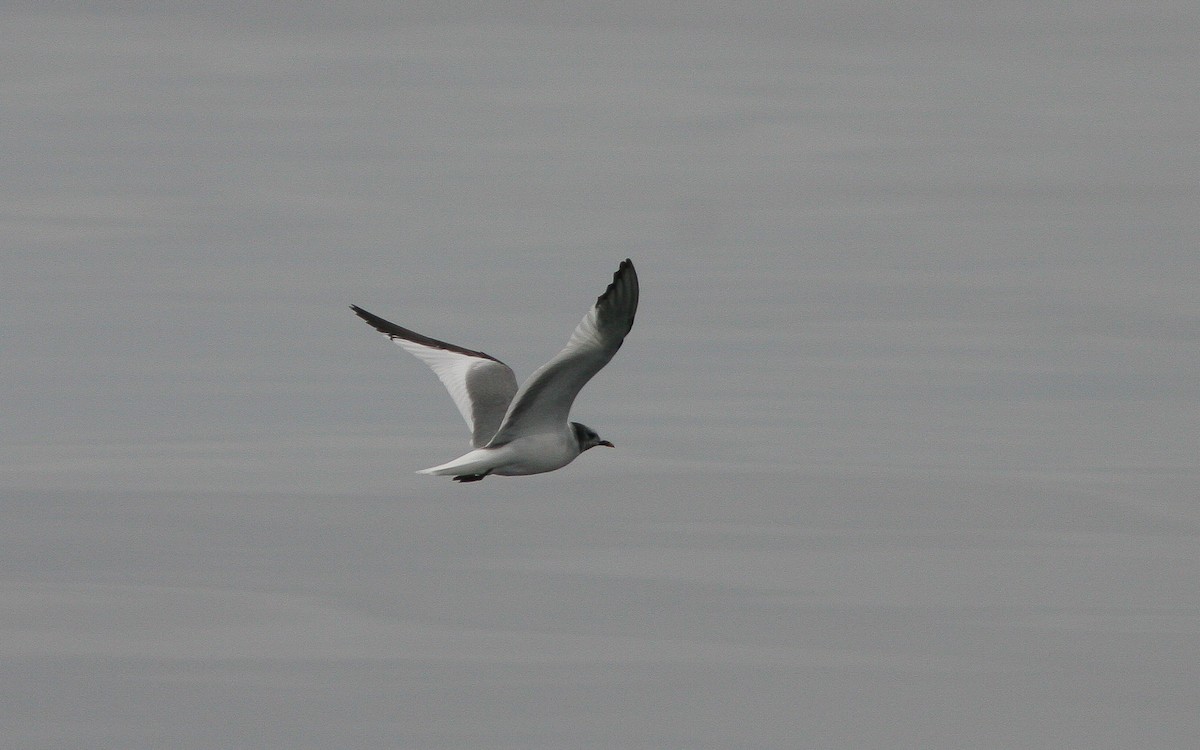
x,y
587,437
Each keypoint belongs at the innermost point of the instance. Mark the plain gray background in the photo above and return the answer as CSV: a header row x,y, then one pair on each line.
x,y
907,426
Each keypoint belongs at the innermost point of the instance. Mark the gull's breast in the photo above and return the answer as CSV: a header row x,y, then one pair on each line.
x,y
534,454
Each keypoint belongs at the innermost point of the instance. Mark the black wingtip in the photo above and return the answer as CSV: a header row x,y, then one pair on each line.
x,y
393,331
376,322
625,276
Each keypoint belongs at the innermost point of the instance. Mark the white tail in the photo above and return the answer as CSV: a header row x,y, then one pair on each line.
x,y
475,462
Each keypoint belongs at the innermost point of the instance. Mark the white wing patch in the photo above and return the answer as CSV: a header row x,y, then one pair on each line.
x,y
480,385
452,369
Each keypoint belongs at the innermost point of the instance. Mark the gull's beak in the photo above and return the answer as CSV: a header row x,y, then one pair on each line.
x,y
606,444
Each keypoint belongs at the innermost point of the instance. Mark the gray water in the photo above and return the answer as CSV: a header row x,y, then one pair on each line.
x,y
906,429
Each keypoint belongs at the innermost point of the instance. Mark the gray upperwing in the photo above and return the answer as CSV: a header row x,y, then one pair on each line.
x,y
544,402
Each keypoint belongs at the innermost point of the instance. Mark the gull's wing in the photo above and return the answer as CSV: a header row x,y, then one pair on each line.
x,y
481,385
544,402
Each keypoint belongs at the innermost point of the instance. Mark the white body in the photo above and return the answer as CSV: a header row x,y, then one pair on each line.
x,y
529,454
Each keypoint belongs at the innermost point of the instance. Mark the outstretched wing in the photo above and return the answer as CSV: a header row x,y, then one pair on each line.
x,y
481,385
544,402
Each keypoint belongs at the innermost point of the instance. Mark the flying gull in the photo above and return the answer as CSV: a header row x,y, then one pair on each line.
x,y
528,434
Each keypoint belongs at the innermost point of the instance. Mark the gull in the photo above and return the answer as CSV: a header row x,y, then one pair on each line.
x,y
517,432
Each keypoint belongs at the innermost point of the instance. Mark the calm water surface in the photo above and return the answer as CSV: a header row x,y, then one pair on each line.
x,y
906,428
